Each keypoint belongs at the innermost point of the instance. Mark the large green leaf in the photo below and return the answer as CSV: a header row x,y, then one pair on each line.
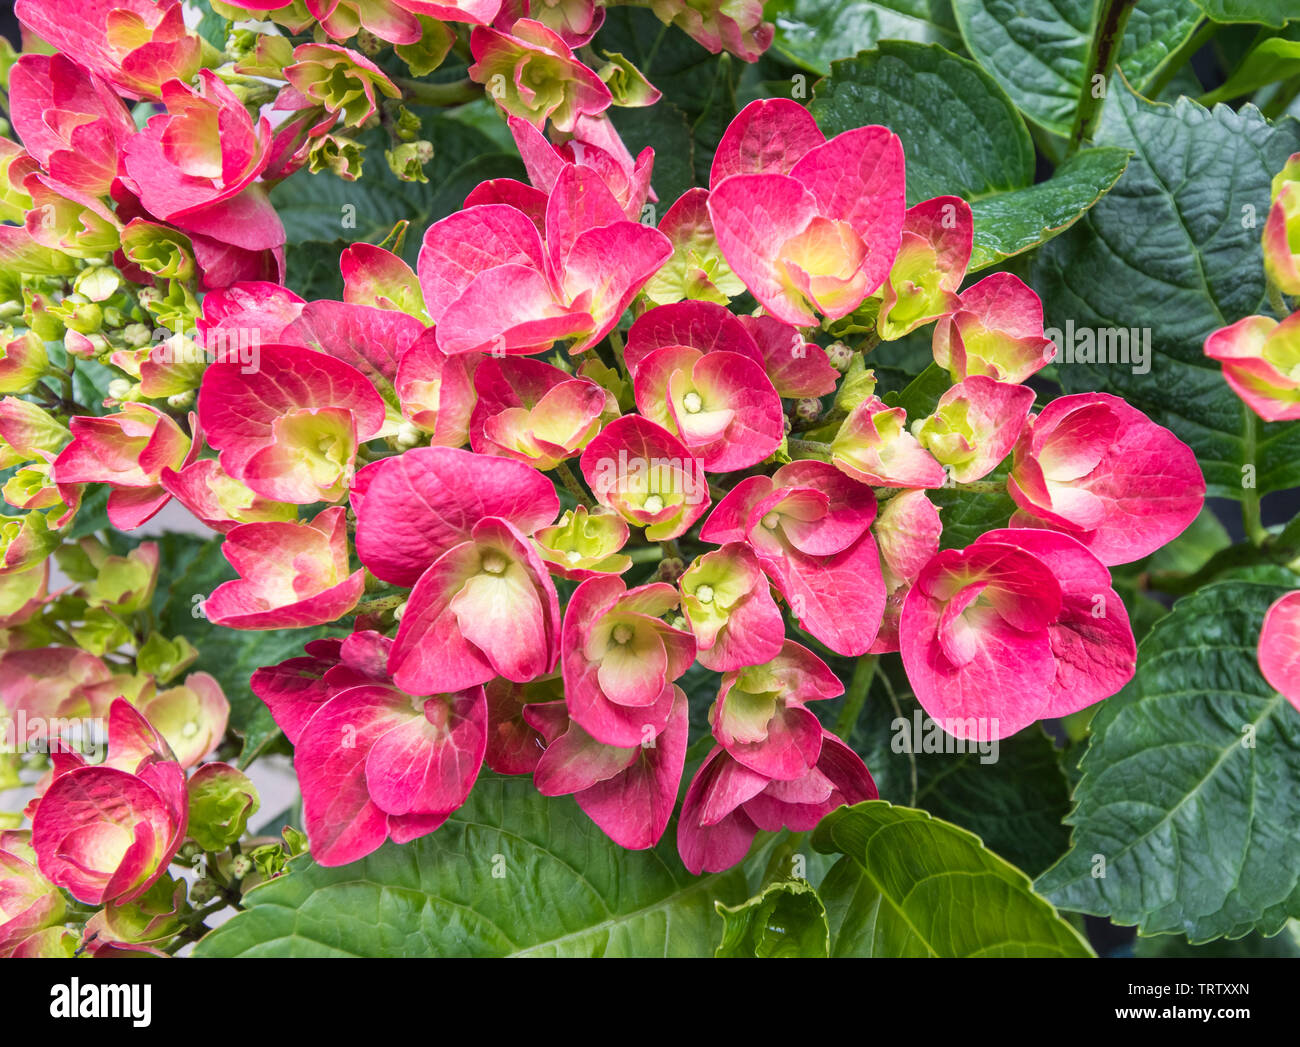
x,y
960,132
191,568
1270,12
785,919
911,885
1272,60
1185,818
511,873
814,33
1038,50
1174,249
1011,223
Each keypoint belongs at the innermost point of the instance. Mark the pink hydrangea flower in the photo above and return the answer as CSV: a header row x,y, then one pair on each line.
x,y
218,500
1261,361
695,375
811,226
128,451
736,26
377,277
629,791
107,832
796,367
584,544
1019,626
69,120
996,331
295,689
28,901
727,803
931,263
532,73
574,21
646,475
289,426
191,716
53,682
1279,647
370,339
1095,468
514,746
873,446
290,574
436,390
620,659
975,425
483,603
761,718
375,763
196,166
728,604
810,526
1281,240
696,268
491,282
626,179
136,45
258,308
535,413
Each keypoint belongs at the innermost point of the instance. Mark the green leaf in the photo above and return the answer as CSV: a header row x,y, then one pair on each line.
x,y
1274,13
923,392
1011,223
1174,249
1284,945
814,33
960,131
966,515
511,873
1188,793
1038,50
212,27
911,885
191,568
785,919
1274,59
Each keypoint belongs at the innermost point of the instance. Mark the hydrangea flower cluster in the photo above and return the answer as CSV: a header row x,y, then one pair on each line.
x,y
533,480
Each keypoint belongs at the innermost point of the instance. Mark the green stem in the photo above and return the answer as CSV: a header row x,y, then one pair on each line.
x,y
646,554
1250,513
381,604
1276,301
1112,18
856,695
808,449
616,346
573,486
983,486
421,92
